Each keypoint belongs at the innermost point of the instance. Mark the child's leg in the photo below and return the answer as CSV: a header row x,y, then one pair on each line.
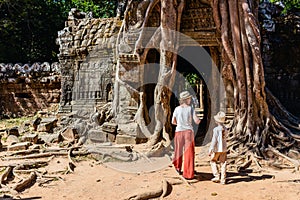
x,y
214,167
223,167
223,172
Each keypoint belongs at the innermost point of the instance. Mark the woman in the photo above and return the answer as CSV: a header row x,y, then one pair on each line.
x,y
184,136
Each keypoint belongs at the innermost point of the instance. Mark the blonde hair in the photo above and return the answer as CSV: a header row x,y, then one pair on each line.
x,y
182,101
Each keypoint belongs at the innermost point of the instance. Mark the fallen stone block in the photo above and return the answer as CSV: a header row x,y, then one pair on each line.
x,y
125,139
50,138
33,138
44,127
97,136
36,122
12,139
110,127
13,131
70,134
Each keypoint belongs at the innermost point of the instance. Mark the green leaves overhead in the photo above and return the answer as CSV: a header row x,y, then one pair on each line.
x,y
28,28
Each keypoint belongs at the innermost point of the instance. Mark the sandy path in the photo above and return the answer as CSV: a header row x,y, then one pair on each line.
x,y
97,181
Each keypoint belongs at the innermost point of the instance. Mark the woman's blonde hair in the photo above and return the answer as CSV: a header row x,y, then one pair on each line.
x,y
182,101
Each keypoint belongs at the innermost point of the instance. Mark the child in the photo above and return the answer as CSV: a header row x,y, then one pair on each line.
x,y
218,149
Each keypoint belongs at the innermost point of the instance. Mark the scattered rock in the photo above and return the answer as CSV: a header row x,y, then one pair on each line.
x,y
13,131
214,194
33,138
125,139
12,139
69,134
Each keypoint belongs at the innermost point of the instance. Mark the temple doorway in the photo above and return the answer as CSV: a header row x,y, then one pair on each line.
x,y
193,71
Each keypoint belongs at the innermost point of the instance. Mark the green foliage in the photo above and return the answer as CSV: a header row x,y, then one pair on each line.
x,y
289,4
192,79
28,28
9,123
99,8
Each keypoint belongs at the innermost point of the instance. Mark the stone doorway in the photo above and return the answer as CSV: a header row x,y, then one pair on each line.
x,y
151,71
194,70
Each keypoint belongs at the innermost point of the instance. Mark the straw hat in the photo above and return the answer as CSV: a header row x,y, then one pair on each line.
x,y
220,117
185,95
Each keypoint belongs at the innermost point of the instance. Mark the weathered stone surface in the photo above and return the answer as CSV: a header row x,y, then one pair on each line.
x,y
50,138
44,127
36,122
33,138
129,129
19,146
125,139
97,135
47,125
12,139
82,127
70,134
110,127
27,89
50,120
13,131
25,127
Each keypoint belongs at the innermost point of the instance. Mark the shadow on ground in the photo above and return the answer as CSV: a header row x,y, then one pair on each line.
x,y
7,197
233,177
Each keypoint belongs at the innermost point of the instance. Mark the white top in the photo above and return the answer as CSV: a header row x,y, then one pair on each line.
x,y
218,142
183,118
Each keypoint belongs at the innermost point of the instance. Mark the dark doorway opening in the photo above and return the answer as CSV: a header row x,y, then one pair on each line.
x,y
194,68
151,71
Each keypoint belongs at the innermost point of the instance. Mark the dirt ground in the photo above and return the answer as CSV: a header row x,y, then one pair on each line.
x,y
94,180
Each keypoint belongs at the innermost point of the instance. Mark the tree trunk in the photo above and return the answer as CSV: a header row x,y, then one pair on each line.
x,y
254,128
171,12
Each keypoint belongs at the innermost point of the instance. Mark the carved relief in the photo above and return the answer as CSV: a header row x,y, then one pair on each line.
x,y
197,17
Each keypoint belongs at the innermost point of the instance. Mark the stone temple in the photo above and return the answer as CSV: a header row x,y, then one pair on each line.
x,y
95,52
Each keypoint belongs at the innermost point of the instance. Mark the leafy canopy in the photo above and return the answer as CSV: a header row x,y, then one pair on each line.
x,y
28,28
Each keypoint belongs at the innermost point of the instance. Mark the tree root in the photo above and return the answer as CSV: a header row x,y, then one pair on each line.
x,y
25,183
255,161
157,150
160,192
5,175
42,155
27,164
71,164
296,163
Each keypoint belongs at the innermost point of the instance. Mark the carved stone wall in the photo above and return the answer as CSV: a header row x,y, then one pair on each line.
x,y
26,89
198,23
87,57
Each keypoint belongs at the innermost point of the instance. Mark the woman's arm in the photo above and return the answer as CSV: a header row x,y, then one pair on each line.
x,y
195,118
174,121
